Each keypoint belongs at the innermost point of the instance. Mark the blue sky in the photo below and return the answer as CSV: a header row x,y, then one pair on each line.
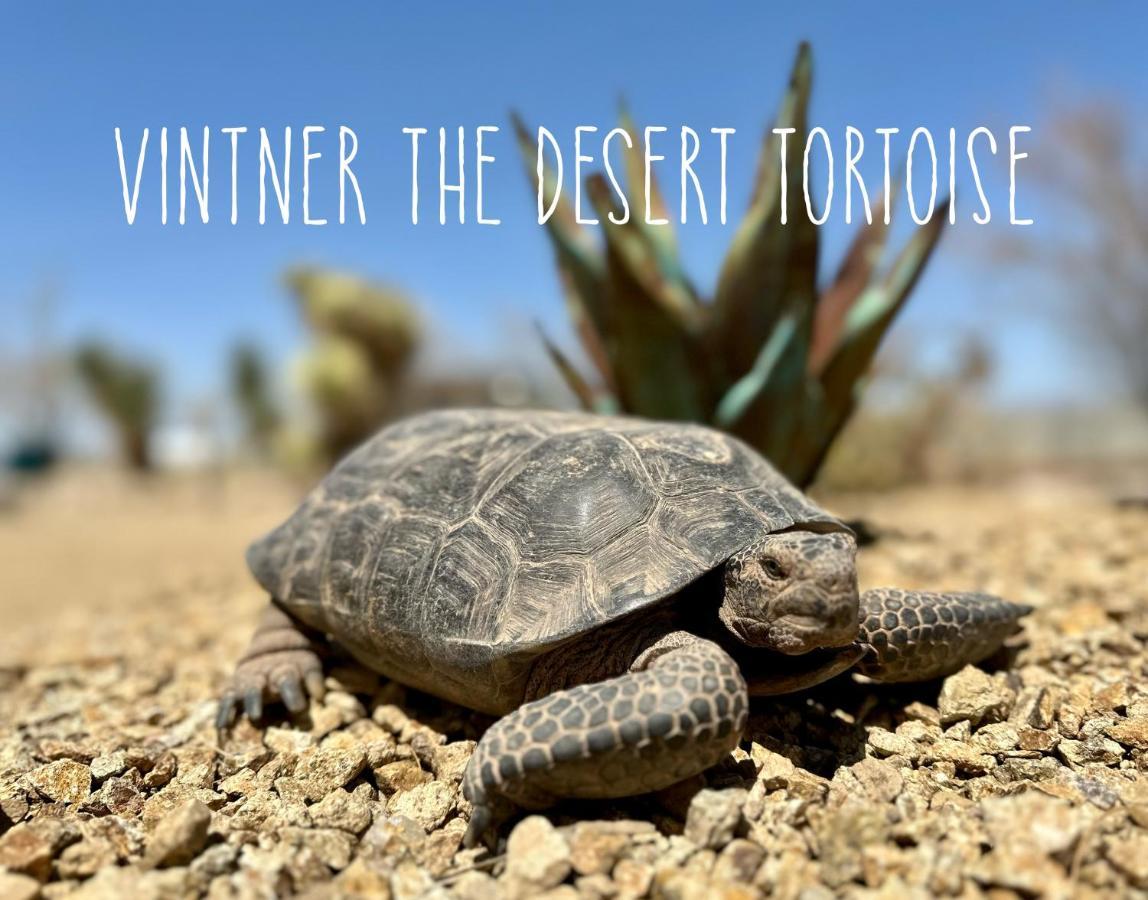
x,y
69,74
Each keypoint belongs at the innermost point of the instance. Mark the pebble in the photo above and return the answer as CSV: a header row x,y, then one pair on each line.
x,y
179,836
596,846
321,771
537,854
1129,854
714,816
972,695
64,780
25,850
14,886
427,804
343,810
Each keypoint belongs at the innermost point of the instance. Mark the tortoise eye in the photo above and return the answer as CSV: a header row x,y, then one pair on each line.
x,y
773,568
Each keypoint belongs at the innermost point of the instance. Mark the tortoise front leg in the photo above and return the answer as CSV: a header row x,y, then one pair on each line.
x,y
680,709
918,635
281,663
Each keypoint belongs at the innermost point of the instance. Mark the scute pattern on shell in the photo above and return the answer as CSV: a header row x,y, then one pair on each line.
x,y
453,547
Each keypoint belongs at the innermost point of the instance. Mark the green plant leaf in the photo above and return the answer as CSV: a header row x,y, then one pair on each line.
x,y
771,268
852,278
866,324
579,259
581,388
655,358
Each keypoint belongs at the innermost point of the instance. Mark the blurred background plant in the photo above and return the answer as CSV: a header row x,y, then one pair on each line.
x,y
253,394
910,433
770,358
126,392
366,335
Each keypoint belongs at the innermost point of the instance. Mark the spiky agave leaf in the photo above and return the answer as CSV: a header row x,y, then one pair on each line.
x,y
590,399
661,238
852,278
579,262
771,268
652,350
866,324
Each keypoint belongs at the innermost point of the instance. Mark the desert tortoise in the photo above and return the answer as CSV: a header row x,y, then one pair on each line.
x,y
616,589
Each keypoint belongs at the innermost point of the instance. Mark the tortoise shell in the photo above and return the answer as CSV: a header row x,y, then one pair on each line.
x,y
452,548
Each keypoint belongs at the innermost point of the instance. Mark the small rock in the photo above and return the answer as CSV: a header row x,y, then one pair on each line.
x,y
1034,739
18,887
871,778
26,851
998,737
738,861
1130,856
922,712
1098,749
681,884
65,781
428,804
216,860
178,837
888,743
108,764
476,886
400,775
596,846
321,771
84,859
1131,732
391,836
777,772
164,770
450,760
964,757
714,816
974,696
633,878
332,846
342,810
1036,822
537,854
1036,707
121,797
287,740
438,850
13,807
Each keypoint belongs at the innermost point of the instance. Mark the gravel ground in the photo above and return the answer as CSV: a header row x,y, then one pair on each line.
x,y
124,609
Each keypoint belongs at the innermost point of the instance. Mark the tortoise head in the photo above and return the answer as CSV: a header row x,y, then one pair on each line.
x,y
793,592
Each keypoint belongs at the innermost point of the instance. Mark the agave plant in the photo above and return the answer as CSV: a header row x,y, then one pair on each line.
x,y
769,357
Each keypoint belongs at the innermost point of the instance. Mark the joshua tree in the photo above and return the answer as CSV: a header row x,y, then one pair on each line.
x,y
127,393
251,390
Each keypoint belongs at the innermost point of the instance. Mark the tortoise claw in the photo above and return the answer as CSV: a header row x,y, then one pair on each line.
x,y
291,693
228,704
253,704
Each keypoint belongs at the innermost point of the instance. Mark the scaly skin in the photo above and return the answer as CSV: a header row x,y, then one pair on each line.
x,y
919,636
639,732
282,662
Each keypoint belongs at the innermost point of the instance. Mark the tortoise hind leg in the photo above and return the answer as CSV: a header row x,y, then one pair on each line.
x,y
680,709
281,663
919,635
